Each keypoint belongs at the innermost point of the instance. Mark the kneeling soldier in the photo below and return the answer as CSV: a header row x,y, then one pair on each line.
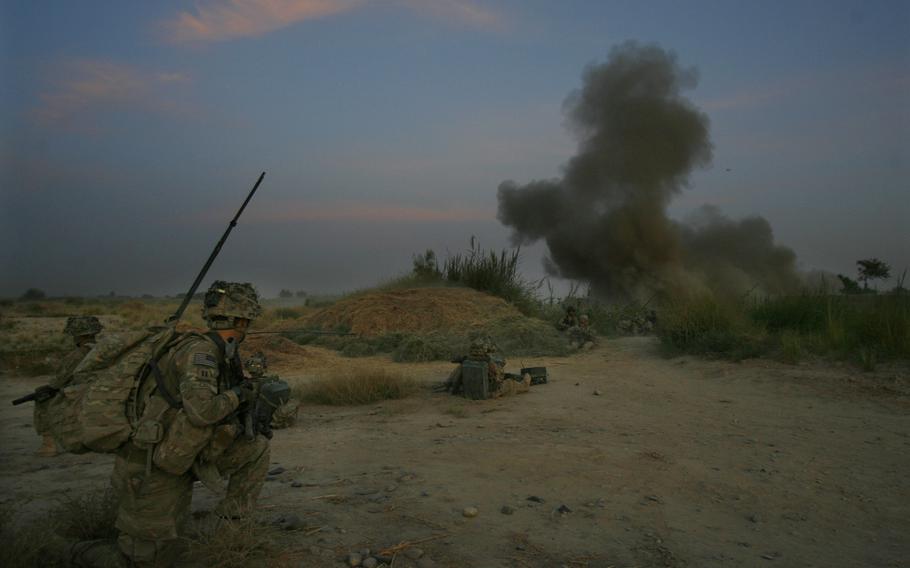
x,y
189,428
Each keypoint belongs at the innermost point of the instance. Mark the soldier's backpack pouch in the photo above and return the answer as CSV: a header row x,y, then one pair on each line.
x,y
182,442
475,379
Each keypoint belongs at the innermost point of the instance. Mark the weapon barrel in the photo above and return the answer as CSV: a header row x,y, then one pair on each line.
x,y
312,331
208,263
24,399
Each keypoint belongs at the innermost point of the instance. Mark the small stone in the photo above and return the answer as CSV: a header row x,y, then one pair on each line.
x,y
364,552
413,553
562,510
276,470
520,546
753,518
292,522
370,563
536,499
296,484
270,478
390,488
354,559
507,510
426,562
597,392
470,512
424,493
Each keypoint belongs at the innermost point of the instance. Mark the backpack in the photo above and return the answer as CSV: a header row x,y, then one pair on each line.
x,y
98,410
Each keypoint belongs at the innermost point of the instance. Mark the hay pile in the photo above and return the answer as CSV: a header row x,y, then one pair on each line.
x,y
413,311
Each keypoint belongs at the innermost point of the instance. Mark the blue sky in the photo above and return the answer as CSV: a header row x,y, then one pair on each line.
x,y
132,130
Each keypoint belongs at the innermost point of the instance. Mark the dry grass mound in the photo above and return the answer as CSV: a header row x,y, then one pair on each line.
x,y
413,311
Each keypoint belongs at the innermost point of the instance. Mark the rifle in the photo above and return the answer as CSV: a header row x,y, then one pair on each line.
x,y
310,331
41,394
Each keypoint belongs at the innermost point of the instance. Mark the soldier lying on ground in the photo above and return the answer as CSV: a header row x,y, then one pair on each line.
x,y
84,330
196,406
482,351
286,414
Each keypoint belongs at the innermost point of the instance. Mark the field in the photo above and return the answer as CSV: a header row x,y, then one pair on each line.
x,y
630,456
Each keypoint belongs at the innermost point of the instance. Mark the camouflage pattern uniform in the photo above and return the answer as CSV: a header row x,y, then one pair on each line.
x,y
568,321
483,349
83,330
582,336
285,415
154,496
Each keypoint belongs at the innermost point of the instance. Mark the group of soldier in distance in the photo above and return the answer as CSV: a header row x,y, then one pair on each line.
x,y
197,412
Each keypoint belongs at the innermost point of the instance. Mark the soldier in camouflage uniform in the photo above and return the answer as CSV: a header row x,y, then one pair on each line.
x,y
286,414
195,402
582,336
569,320
83,330
483,349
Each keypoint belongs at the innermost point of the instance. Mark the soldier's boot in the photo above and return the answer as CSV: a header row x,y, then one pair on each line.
x,y
48,447
246,463
98,554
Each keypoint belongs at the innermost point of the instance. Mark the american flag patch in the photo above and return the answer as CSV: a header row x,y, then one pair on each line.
x,y
204,359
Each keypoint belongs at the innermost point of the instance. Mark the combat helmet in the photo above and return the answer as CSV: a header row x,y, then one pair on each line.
x,y
226,301
78,326
481,347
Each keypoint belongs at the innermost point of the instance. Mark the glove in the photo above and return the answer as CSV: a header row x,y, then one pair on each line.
x,y
245,392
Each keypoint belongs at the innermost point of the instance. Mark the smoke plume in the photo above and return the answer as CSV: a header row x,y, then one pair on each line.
x,y
605,220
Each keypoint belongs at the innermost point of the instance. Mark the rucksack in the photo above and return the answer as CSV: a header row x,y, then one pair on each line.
x,y
98,410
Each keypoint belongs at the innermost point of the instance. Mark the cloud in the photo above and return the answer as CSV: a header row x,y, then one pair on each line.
x,y
80,85
213,21
460,11
230,19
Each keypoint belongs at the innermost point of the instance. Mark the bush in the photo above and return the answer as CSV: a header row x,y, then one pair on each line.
x,y
358,386
496,274
286,313
706,326
33,294
420,348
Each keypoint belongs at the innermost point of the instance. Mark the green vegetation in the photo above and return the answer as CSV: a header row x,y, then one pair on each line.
x,y
495,273
866,328
44,540
357,386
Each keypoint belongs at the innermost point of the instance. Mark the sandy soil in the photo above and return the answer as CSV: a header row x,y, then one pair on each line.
x,y
676,462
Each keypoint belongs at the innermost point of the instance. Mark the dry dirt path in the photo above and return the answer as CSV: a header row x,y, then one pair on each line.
x,y
677,462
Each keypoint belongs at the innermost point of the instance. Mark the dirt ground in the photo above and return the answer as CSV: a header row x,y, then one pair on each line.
x,y
632,459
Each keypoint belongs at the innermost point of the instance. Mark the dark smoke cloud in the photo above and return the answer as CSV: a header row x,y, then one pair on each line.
x,y
605,220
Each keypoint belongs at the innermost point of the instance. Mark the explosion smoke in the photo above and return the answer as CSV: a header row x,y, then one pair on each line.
x,y
605,221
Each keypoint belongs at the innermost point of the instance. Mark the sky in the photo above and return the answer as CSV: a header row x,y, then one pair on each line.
x,y
130,132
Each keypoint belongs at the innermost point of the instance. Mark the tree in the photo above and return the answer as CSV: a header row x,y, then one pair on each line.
x,y
33,294
285,293
872,269
848,285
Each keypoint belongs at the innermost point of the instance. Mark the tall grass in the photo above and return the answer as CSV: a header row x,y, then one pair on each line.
x,y
863,328
357,386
